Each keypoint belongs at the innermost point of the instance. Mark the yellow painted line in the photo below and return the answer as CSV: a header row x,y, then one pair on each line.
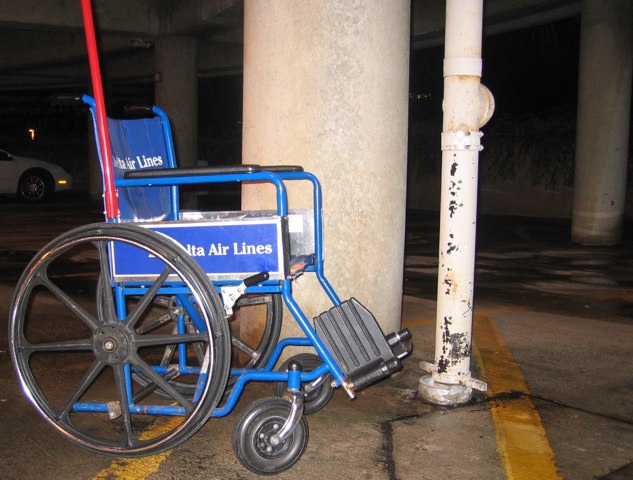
x,y
498,310
521,438
430,320
624,294
140,468
418,322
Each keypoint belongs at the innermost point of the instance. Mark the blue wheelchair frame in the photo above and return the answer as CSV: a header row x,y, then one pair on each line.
x,y
277,176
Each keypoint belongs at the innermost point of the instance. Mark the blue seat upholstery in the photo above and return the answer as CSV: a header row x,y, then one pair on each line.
x,y
138,145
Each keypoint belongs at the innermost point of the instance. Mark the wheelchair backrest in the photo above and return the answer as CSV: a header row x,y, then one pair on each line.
x,y
139,144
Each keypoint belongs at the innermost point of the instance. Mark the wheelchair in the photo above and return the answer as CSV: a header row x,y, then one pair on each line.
x,y
130,334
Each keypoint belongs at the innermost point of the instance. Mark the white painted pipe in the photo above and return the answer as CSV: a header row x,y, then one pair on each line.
x,y
466,107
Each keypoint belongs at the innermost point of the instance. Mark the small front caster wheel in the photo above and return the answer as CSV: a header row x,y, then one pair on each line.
x,y
253,440
317,396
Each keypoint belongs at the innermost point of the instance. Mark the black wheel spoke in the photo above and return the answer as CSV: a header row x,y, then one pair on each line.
x,y
105,296
197,347
71,304
87,380
130,440
162,383
147,299
61,346
154,324
242,347
168,354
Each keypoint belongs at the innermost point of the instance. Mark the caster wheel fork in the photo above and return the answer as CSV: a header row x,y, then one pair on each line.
x,y
317,393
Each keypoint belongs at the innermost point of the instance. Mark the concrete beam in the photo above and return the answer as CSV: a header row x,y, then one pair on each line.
x,y
140,17
41,41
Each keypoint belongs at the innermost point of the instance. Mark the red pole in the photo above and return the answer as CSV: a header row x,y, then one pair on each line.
x,y
111,201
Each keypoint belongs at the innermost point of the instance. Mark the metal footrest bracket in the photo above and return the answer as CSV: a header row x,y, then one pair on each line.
x,y
354,338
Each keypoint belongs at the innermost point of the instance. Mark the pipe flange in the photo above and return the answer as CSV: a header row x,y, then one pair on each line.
x,y
462,141
488,105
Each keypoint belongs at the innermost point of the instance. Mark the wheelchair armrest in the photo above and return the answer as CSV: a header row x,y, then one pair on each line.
x,y
192,171
282,168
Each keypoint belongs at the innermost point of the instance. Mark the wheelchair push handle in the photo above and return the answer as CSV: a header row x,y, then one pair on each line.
x,y
66,99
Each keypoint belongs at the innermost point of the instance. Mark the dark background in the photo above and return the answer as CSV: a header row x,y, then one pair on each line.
x,y
532,73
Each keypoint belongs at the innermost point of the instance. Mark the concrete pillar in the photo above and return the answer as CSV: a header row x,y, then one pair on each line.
x,y
326,87
176,92
604,108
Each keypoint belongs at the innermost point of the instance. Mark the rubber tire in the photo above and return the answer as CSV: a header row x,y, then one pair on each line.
x,y
316,399
253,427
35,187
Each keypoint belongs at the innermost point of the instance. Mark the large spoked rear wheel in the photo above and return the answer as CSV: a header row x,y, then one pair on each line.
x,y
77,358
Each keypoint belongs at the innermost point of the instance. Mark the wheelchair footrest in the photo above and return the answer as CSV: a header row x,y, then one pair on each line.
x,y
354,338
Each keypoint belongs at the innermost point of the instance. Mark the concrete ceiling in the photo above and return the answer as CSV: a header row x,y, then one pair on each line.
x,y
42,43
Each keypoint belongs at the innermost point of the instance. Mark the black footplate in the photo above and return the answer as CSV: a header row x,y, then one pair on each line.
x,y
354,338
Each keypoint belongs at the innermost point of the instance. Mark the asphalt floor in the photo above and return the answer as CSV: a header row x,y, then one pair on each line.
x,y
552,337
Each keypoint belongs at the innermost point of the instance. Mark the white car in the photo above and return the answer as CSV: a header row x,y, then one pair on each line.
x,y
32,180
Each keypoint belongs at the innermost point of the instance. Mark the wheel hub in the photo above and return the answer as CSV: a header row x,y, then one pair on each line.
x,y
111,344
265,442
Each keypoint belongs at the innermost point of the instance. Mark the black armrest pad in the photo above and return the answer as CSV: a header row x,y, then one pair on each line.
x,y
282,168
67,99
137,111
192,171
